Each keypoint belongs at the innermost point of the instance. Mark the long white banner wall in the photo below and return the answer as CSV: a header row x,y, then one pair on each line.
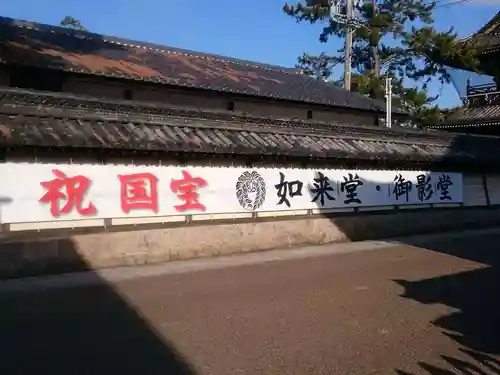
x,y
32,192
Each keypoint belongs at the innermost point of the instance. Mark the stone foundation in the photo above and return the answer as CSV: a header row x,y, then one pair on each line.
x,y
65,252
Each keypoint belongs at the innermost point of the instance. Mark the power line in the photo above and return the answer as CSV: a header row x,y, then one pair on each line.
x,y
446,3
442,3
453,3
439,4
351,22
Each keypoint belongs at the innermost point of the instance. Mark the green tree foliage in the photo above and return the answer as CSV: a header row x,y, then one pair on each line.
x,y
397,39
72,23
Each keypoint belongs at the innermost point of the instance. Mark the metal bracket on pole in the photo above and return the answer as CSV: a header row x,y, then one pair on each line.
x,y
352,23
336,14
344,20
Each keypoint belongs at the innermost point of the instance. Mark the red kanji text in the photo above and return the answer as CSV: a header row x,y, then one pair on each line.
x,y
139,191
186,190
71,190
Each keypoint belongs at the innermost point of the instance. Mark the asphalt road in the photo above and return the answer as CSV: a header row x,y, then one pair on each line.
x,y
430,308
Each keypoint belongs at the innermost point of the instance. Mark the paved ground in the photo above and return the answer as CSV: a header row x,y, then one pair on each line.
x,y
428,308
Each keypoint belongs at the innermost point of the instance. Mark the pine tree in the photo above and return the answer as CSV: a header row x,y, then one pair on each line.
x,y
72,23
397,39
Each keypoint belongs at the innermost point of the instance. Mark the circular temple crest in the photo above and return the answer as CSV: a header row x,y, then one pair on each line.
x,y
251,190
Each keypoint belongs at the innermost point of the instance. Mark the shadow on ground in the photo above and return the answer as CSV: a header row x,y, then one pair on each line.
x,y
474,295
84,330
94,330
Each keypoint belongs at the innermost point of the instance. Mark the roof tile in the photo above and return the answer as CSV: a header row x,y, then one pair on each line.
x,y
75,51
489,34
22,130
487,113
50,120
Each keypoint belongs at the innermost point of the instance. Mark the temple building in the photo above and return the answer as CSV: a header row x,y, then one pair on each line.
x,y
61,60
115,152
479,91
82,95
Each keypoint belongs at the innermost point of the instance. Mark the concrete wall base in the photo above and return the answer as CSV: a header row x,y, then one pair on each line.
x,y
67,253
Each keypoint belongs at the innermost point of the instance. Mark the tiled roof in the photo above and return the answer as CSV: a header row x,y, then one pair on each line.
x,y
197,136
64,49
474,115
489,34
26,122
487,41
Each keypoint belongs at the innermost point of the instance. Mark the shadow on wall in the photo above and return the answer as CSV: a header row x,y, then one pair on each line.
x,y
93,330
78,330
384,222
4,201
464,154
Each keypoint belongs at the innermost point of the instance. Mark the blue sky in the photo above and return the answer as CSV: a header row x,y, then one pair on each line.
x,y
254,30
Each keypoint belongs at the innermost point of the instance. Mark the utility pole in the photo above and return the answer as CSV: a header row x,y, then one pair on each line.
x,y
351,22
388,101
348,45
